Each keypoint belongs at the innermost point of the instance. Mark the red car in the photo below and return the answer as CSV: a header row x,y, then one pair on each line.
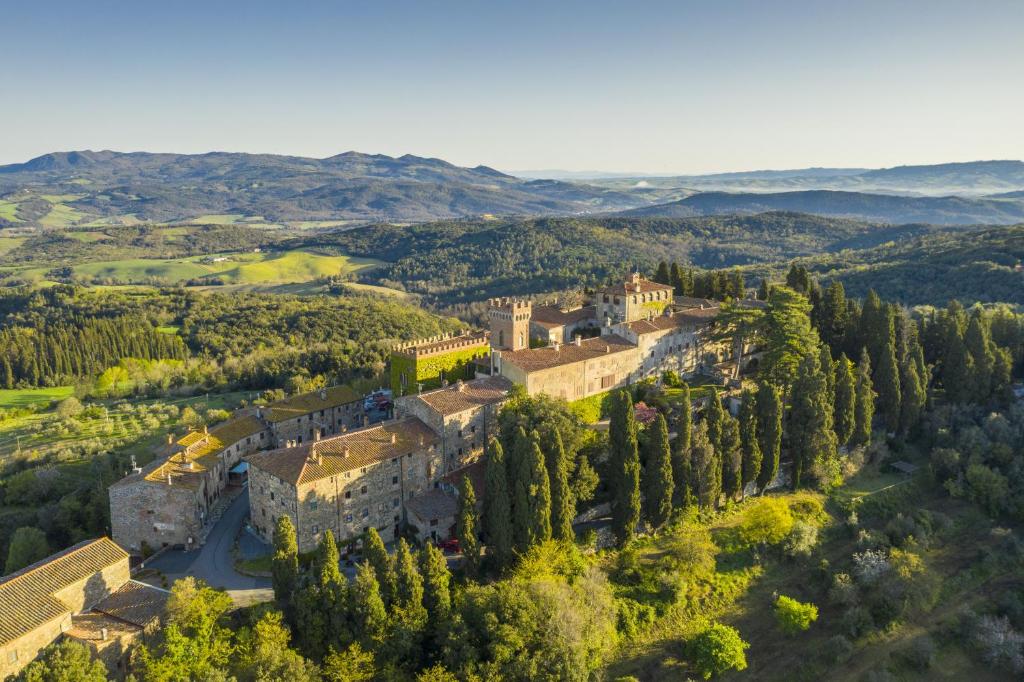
x,y
449,546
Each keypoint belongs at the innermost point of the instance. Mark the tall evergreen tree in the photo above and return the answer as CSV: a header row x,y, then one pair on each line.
x,y
285,563
497,506
676,278
706,469
731,456
383,566
812,439
749,440
864,405
466,526
625,468
437,597
657,474
876,325
835,316
714,418
563,506
662,275
978,342
788,336
408,581
844,414
531,509
769,432
681,450
764,290
368,613
886,380
912,395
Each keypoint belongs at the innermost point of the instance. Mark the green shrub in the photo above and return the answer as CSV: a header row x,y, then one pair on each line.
x,y
794,616
716,650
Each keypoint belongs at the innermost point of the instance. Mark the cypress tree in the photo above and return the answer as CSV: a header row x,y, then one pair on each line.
x,y
706,469
437,597
876,326
531,508
764,290
327,560
731,457
662,276
408,581
497,506
749,442
978,342
383,567
466,527
828,372
846,397
913,396
657,474
681,450
368,613
563,506
812,438
769,432
714,417
625,468
886,380
835,316
331,592
285,563
864,406
676,279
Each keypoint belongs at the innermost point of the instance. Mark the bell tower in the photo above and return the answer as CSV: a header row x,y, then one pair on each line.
x,y
510,323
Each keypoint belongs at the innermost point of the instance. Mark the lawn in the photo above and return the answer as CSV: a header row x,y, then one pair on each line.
x,y
10,243
220,219
23,397
87,236
9,211
241,268
61,215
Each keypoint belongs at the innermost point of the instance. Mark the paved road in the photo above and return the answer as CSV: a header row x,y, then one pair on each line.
x,y
213,562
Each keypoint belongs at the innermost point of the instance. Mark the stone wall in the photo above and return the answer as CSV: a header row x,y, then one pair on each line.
x,y
17,654
578,380
329,422
155,513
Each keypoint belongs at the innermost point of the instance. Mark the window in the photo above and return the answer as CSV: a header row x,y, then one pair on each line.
x,y
348,494
460,433
472,429
395,502
348,518
271,495
366,512
313,505
363,490
433,522
394,480
316,528
264,513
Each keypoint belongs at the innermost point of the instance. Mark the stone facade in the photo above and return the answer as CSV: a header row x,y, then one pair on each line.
x,y
463,415
573,371
62,595
510,323
551,324
318,414
635,299
347,483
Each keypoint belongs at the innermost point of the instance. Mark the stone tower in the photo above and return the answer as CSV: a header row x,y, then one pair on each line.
x,y
510,323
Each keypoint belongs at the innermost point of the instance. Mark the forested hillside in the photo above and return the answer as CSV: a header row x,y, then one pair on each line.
x,y
466,261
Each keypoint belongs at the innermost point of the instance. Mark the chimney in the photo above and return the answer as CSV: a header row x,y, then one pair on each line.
x,y
556,346
607,348
366,420
190,465
259,412
170,438
460,386
578,340
103,634
168,478
394,437
316,435
421,441
206,429
323,394
319,459
344,451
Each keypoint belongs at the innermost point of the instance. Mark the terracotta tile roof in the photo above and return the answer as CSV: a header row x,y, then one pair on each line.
x,y
26,596
553,316
300,405
466,396
533,359
89,627
476,471
136,603
345,452
690,317
433,504
693,302
624,288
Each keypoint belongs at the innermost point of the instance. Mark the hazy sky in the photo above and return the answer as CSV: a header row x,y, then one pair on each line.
x,y
619,86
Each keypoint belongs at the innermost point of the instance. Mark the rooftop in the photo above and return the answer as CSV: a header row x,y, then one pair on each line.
x,y
433,504
635,284
553,316
300,405
468,395
690,317
27,598
534,359
135,602
315,460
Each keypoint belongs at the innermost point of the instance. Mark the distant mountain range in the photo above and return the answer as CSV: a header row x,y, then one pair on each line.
x,y
130,187
87,188
973,178
873,207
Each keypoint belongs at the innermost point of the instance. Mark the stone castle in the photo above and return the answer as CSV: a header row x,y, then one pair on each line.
x,y
315,459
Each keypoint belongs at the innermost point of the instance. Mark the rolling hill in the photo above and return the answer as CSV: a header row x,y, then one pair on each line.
x,y
72,188
858,205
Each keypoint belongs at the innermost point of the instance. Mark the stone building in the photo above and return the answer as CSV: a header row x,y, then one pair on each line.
x,y
463,415
346,483
634,299
322,413
510,323
167,502
86,593
572,371
429,363
676,340
552,324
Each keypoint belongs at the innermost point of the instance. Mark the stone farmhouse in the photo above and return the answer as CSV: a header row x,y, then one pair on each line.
x,y
169,501
85,593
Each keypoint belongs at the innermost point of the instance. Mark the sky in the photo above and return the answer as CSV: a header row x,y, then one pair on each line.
x,y
650,87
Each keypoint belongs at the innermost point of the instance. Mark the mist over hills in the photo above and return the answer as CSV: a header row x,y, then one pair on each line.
x,y
874,207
